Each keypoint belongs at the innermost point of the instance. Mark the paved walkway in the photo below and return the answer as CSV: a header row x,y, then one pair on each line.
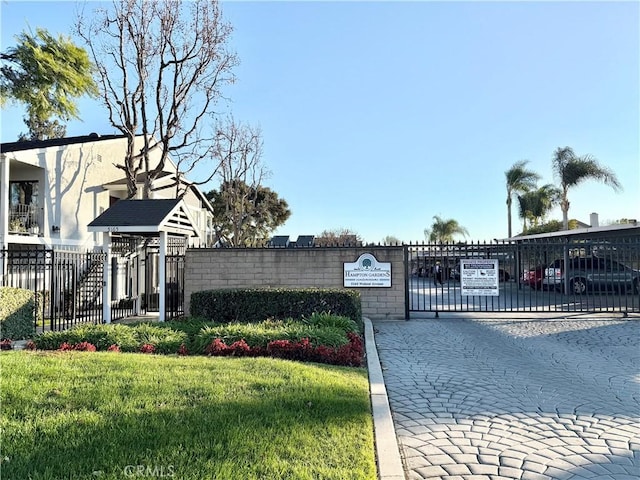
x,y
523,399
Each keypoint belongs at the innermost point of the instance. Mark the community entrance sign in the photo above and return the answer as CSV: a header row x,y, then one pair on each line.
x,y
367,272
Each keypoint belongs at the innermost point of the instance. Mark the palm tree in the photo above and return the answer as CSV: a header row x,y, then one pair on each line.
x,y
534,205
525,209
443,231
572,170
519,180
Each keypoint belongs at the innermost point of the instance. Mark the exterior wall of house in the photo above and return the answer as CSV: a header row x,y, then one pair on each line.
x,y
70,187
71,194
207,269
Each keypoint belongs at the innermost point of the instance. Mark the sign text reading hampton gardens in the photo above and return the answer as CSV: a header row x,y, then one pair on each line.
x,y
367,272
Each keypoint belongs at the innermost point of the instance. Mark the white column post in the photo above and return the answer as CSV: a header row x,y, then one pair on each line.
x,y
4,201
139,286
162,275
106,278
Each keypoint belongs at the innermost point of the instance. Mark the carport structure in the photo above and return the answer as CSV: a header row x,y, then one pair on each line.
x,y
142,219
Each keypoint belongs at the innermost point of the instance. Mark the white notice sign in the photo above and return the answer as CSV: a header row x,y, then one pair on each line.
x,y
479,277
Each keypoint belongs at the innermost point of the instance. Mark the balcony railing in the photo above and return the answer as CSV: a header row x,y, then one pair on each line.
x,y
23,219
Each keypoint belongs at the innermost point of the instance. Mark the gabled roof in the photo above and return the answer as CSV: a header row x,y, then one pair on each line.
x,y
279,241
140,178
121,184
147,217
304,241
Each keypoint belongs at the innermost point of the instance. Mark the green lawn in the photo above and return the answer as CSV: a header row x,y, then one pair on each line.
x,y
83,415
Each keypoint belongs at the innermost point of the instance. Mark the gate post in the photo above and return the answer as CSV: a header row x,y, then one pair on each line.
x,y
407,272
106,278
162,277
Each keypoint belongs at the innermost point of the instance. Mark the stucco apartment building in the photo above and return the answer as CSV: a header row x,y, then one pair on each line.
x,y
55,196
51,190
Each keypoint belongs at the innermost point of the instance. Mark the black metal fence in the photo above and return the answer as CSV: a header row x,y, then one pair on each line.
x,y
67,285
601,275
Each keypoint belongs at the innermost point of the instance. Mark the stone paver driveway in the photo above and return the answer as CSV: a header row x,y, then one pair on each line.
x,y
555,398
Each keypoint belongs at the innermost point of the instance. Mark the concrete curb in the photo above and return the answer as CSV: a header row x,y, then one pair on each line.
x,y
387,450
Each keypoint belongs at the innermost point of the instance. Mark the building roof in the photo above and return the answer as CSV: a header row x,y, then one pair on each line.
x,y
55,142
279,241
140,178
146,217
304,241
618,230
283,241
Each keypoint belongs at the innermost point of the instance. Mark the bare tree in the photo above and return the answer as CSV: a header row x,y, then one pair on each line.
x,y
161,66
246,211
338,237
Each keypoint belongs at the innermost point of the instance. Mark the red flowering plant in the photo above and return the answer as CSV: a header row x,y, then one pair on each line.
x,y
31,345
300,350
65,347
6,344
113,348
183,350
217,348
85,347
147,348
239,348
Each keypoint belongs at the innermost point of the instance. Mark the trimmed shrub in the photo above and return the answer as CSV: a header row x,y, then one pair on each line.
x,y
17,309
254,305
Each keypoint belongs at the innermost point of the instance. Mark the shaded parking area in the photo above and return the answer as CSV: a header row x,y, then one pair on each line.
x,y
504,398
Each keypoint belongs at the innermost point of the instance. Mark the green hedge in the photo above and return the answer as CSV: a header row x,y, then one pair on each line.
x,y
256,305
17,308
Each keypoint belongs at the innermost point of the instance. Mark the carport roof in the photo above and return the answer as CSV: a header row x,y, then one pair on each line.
x,y
146,217
620,230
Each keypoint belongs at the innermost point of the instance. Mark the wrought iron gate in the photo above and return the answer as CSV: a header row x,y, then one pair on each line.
x,y
174,290
601,275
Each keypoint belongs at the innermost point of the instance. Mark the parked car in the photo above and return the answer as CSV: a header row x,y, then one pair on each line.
x,y
592,274
534,276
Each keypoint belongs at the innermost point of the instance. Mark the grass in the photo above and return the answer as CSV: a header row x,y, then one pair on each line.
x,y
78,415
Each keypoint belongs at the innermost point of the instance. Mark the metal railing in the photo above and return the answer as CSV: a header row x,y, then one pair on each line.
x,y
23,219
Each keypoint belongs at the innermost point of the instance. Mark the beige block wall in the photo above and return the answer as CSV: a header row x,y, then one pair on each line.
x,y
207,269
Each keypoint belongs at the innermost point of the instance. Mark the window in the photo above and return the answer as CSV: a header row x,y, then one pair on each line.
x,y
23,193
23,204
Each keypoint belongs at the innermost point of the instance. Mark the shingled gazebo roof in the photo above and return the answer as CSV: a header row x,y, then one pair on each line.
x,y
146,217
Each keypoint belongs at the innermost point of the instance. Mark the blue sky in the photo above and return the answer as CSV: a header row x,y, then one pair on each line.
x,y
376,116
